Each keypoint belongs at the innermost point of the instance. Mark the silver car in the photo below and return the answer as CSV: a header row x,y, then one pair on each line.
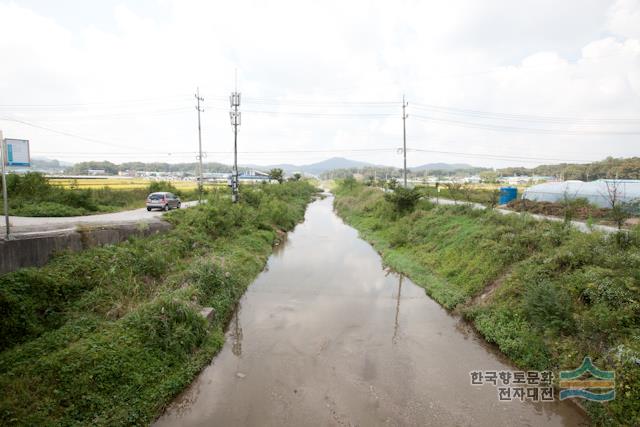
x,y
163,200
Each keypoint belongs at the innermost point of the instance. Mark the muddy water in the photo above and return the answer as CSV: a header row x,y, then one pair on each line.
x,y
325,336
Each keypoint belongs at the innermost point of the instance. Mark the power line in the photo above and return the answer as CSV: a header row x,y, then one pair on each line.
x,y
191,153
500,156
61,132
517,129
98,103
524,117
340,150
365,104
187,154
317,115
127,115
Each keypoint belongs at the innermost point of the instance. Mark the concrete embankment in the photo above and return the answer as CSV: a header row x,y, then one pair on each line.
x,y
36,249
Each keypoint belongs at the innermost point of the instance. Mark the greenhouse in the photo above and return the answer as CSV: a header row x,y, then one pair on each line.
x,y
599,193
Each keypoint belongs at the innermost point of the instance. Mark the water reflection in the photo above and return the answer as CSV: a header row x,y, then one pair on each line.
x,y
236,334
317,348
396,325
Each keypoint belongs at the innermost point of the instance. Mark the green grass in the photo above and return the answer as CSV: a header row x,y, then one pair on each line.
x,y
32,195
560,294
108,336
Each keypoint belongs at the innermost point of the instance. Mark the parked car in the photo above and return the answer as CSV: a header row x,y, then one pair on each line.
x,y
163,200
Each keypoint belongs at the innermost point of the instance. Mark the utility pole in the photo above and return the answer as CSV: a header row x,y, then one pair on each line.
x,y
5,197
235,122
404,138
200,179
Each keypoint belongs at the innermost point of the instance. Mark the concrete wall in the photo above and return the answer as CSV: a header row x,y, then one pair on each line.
x,y
35,250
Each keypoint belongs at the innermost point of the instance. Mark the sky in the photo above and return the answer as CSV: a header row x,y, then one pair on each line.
x,y
489,83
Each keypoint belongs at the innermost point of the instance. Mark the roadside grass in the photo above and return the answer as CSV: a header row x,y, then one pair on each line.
x,y
34,195
108,336
562,294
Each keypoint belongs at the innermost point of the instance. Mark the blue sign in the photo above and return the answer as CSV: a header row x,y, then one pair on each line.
x,y
18,153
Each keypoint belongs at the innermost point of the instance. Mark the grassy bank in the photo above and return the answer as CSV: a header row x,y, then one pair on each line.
x,y
34,195
108,336
553,295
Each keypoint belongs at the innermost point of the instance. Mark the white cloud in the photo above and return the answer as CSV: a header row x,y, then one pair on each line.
x,y
624,18
574,59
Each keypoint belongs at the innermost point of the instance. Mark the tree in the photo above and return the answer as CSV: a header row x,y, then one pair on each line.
x,y
403,199
467,192
392,184
489,176
276,174
493,198
349,182
569,207
296,177
614,196
454,190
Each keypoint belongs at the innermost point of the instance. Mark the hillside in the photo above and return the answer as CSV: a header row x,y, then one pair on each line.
x,y
446,167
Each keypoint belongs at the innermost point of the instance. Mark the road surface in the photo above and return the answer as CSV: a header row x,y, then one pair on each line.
x,y
325,337
27,225
578,225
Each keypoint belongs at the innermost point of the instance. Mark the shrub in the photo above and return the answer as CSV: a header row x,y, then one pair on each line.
x,y
45,209
160,186
252,197
548,307
109,335
403,199
170,324
31,194
208,278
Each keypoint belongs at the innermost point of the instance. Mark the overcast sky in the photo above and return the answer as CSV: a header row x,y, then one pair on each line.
x,y
490,83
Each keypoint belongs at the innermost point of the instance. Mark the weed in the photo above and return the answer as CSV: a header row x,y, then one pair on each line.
x,y
109,335
562,295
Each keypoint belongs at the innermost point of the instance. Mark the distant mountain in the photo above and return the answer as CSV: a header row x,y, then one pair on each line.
x,y
446,167
287,167
43,163
49,162
316,168
331,164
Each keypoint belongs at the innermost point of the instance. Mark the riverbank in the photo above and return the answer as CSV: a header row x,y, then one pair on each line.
x,y
545,294
326,336
109,335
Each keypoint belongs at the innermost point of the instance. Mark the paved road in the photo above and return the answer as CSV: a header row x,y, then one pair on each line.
x,y
326,337
27,225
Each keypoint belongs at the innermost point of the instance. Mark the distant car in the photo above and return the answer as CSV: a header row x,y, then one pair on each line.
x,y
163,200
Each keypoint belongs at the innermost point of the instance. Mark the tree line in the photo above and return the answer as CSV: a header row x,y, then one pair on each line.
x,y
609,168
